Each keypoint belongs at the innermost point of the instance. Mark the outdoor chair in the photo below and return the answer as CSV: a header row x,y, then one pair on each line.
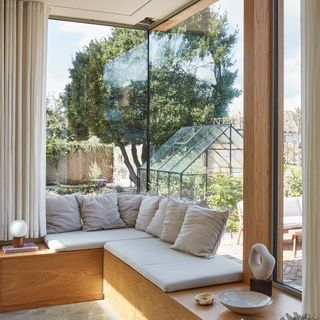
x,y
240,212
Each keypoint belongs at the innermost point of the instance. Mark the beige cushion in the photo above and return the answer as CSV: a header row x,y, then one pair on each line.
x,y
100,212
63,214
176,211
172,270
129,205
201,231
156,225
148,208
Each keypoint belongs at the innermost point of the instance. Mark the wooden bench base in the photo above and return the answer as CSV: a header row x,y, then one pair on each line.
x,y
48,278
136,298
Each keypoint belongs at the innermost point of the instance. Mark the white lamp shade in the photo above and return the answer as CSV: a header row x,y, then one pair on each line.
x,y
18,228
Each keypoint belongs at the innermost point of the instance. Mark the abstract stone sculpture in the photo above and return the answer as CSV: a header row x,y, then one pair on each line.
x,y
261,262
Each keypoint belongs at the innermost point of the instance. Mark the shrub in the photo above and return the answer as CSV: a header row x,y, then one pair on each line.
x,y
224,193
94,171
293,181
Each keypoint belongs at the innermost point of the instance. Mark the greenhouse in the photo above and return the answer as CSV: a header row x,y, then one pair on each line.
x,y
184,164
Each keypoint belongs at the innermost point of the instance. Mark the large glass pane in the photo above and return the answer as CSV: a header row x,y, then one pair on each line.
x,y
290,210
97,103
196,110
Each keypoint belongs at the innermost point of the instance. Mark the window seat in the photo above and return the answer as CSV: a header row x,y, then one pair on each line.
x,y
171,270
81,240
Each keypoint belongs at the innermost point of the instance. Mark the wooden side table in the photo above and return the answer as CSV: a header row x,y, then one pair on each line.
x,y
296,236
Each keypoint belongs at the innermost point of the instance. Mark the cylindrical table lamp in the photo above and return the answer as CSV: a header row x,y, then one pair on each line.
x,y
18,229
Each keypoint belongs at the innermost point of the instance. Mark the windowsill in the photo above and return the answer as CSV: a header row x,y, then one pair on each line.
x,y
282,303
288,290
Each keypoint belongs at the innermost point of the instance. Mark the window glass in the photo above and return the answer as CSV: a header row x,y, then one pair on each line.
x,y
97,111
96,107
196,113
290,210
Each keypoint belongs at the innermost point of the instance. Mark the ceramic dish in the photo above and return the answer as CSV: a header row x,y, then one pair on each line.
x,y
204,299
244,302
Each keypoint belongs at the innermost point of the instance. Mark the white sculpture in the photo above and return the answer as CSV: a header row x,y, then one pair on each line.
x,y
261,262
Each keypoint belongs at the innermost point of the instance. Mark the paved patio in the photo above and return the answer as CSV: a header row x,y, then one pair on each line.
x,y
292,267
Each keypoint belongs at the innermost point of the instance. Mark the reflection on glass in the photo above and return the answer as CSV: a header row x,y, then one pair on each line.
x,y
195,119
292,171
102,114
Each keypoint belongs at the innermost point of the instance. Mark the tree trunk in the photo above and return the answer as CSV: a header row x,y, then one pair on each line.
x,y
135,156
132,175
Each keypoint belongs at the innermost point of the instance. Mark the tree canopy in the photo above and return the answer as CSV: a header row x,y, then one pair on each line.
x,y
115,108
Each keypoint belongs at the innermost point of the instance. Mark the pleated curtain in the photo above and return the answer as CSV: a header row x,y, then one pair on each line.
x,y
310,21
23,43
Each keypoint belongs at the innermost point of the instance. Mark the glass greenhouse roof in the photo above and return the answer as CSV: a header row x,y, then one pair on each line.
x,y
189,143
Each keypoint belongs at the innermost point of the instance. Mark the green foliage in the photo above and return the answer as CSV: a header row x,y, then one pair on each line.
x,y
56,118
192,187
58,148
177,99
116,113
83,189
217,42
119,189
293,181
225,192
94,170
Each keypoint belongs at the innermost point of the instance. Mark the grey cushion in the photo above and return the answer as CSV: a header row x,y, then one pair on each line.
x,y
80,240
148,208
100,212
156,225
129,205
172,270
63,214
176,211
201,231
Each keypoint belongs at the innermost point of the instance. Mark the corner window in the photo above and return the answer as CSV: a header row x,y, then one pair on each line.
x,y
288,151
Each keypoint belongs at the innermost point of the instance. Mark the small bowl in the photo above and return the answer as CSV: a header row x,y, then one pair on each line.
x,y
204,299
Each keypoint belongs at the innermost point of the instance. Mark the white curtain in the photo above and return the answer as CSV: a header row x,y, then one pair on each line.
x,y
23,35
310,19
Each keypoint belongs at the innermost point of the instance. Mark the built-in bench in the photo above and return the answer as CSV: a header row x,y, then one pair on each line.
x,y
136,298
168,269
136,274
171,270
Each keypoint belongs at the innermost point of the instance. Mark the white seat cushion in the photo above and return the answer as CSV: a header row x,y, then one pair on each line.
x,y
292,222
291,207
80,240
172,270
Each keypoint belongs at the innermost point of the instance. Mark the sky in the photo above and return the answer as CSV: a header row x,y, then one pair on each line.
x,y
66,38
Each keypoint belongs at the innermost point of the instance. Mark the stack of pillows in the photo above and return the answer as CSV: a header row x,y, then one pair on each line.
x,y
187,226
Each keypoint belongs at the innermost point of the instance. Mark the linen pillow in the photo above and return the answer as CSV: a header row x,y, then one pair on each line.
x,y
129,205
156,225
63,214
100,212
148,208
176,211
201,231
